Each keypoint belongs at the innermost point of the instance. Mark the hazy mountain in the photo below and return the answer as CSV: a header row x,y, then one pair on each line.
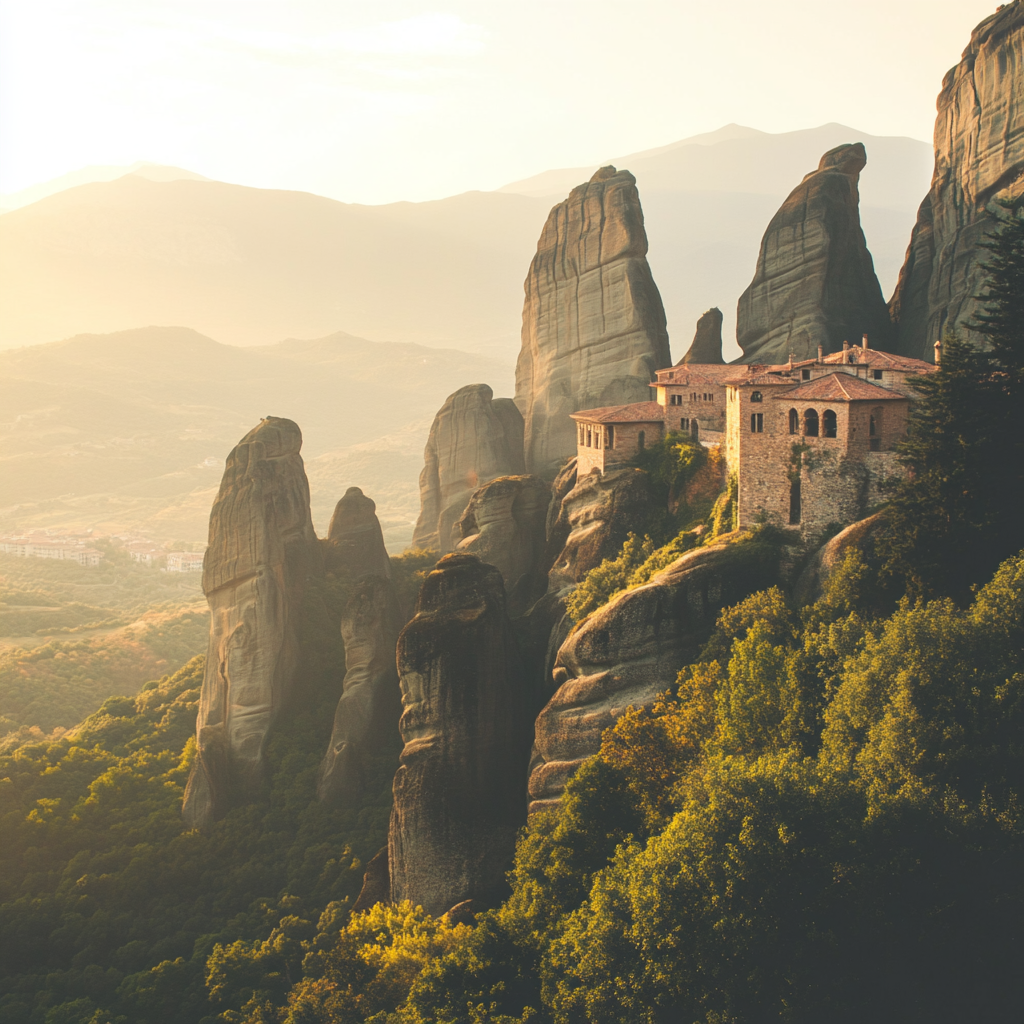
x,y
248,266
95,172
130,430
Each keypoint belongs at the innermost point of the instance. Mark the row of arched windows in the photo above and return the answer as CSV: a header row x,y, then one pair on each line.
x,y
810,426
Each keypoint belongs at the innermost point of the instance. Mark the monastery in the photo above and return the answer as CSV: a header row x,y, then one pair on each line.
x,y
808,443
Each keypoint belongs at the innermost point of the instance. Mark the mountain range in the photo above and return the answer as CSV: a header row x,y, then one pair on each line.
x,y
251,266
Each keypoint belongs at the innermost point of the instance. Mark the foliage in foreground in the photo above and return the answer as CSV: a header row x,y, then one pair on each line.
x,y
826,797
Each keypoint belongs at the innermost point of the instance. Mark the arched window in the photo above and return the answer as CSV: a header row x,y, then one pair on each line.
x,y
794,421
794,502
756,396
811,423
830,427
641,438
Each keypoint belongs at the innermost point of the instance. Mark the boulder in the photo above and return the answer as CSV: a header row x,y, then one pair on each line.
x,y
474,439
593,321
815,282
979,158
466,723
595,518
503,525
262,549
706,346
631,650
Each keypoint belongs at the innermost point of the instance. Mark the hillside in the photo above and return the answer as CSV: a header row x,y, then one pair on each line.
x,y
250,266
129,431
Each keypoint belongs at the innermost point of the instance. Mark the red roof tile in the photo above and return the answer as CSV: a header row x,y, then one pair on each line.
x,y
879,360
839,387
638,412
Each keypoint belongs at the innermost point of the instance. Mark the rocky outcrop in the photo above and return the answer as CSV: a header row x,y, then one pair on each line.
x,y
815,576
706,346
503,525
366,718
355,540
631,650
376,883
262,549
474,439
466,723
595,518
593,321
979,158
815,283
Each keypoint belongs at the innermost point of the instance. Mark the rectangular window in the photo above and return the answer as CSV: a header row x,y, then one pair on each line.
x,y
805,374
684,423
609,437
757,422
876,374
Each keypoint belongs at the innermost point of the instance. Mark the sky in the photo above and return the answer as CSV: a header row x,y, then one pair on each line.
x,y
403,100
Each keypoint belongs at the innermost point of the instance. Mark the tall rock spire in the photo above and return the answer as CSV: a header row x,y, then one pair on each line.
x,y
262,550
593,321
979,157
815,282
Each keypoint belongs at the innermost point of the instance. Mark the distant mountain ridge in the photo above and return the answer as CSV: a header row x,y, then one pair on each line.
x,y
250,266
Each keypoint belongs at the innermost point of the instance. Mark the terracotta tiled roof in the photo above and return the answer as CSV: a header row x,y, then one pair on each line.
x,y
710,371
879,360
768,375
838,387
638,412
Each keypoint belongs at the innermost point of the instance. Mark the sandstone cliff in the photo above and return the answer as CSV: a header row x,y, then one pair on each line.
x,y
706,346
979,157
593,321
815,283
366,719
474,439
262,549
466,724
631,650
503,525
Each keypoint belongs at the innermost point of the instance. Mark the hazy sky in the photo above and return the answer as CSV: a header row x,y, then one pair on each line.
x,y
398,99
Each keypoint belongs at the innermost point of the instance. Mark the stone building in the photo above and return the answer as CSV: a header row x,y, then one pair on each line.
x,y
809,443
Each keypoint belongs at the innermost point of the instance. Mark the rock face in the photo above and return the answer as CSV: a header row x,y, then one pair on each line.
x,y
979,157
466,724
707,340
595,518
503,525
815,283
356,541
593,321
262,549
630,651
474,439
815,576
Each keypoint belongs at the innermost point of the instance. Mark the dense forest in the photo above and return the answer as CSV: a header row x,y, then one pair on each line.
x,y
821,820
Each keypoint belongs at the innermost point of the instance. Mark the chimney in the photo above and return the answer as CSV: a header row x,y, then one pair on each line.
x,y
821,353
938,353
791,358
864,341
846,346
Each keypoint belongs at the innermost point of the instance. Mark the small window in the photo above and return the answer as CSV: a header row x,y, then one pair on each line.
x,y
757,422
805,374
794,502
829,424
794,421
677,399
811,423
684,423
641,439
590,443
609,437
756,396
876,374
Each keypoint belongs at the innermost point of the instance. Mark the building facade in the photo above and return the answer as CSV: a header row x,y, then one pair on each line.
x,y
809,444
